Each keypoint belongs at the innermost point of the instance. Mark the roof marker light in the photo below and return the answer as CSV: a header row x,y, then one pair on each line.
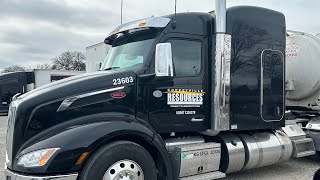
x,y
142,24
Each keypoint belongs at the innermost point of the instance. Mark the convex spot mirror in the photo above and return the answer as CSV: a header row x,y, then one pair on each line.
x,y
163,60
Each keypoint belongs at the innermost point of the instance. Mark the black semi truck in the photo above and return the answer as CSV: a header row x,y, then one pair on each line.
x,y
184,96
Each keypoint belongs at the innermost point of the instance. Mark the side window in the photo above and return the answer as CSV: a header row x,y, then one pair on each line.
x,y
186,56
272,85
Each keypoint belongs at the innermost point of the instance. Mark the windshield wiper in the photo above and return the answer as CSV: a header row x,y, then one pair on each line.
x,y
111,68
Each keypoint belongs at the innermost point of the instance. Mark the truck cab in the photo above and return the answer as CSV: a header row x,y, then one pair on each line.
x,y
179,96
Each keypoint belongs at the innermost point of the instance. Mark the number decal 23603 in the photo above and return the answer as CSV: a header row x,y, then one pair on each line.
x,y
125,80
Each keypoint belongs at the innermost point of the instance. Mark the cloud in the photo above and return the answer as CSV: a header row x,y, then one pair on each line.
x,y
58,13
35,31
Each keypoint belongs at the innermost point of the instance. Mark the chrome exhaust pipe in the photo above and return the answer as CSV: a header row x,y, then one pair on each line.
x,y
221,91
221,16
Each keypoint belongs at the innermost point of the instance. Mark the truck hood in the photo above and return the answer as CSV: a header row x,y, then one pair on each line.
x,y
38,110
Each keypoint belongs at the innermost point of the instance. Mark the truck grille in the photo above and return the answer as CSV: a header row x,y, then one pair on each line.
x,y
10,131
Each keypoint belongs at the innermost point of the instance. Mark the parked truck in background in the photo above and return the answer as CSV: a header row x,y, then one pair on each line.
x,y
95,55
10,85
185,96
22,82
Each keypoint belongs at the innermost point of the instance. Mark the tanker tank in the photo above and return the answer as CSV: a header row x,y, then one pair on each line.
x,y
302,71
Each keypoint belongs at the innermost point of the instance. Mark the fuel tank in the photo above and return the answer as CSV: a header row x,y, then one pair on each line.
x,y
264,149
252,150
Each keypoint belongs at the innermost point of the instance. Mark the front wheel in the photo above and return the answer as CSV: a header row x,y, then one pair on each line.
x,y
316,157
120,160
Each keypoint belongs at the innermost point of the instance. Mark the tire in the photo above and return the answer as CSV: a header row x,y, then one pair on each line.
x,y
111,155
316,157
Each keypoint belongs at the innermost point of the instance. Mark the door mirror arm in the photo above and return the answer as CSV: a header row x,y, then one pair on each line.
x,y
150,77
147,77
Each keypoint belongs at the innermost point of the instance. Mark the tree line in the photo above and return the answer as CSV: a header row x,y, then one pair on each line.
x,y
68,60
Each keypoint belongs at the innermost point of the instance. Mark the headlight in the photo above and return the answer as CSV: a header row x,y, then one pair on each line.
x,y
36,158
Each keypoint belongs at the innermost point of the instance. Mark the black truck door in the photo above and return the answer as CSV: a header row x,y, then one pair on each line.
x,y
180,103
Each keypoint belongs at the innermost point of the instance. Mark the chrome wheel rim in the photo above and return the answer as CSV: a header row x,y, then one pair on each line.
x,y
124,170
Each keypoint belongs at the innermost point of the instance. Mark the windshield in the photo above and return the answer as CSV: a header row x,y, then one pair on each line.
x,y
129,50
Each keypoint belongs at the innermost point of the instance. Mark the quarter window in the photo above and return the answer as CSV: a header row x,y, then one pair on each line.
x,y
186,57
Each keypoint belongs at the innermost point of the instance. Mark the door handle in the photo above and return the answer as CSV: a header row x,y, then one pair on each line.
x,y
197,119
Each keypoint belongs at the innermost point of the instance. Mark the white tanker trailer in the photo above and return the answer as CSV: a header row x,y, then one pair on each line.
x,y
303,85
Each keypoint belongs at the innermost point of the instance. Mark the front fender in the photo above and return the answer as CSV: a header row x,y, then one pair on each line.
x,y
83,134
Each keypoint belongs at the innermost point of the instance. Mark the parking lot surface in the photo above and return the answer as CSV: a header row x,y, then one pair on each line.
x,y
3,130
295,169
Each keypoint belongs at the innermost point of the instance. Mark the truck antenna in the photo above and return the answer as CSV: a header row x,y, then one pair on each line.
x,y
121,11
174,23
175,8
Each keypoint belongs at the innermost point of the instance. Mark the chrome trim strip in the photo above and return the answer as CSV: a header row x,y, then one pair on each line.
x,y
154,22
69,101
99,92
197,119
10,131
15,176
15,96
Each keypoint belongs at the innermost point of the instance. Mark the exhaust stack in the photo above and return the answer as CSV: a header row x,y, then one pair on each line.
x,y
221,91
221,16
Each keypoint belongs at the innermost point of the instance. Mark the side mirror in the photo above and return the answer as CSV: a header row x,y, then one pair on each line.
x,y
163,60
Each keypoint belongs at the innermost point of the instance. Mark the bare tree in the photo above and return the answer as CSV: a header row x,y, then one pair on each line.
x,y
14,68
43,66
70,60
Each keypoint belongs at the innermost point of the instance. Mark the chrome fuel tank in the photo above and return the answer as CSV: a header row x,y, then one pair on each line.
x,y
232,152
253,149
263,149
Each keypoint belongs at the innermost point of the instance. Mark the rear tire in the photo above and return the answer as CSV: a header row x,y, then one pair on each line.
x,y
121,158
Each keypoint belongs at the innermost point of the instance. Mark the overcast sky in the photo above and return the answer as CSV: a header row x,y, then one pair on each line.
x,y
35,31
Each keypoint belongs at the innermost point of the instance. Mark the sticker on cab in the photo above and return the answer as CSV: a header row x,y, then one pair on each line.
x,y
118,95
157,93
125,80
184,97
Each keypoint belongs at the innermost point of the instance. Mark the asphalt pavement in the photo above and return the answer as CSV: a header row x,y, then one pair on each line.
x,y
294,169
3,130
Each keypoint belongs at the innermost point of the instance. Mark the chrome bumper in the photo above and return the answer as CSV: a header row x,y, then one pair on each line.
x,y
9,175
